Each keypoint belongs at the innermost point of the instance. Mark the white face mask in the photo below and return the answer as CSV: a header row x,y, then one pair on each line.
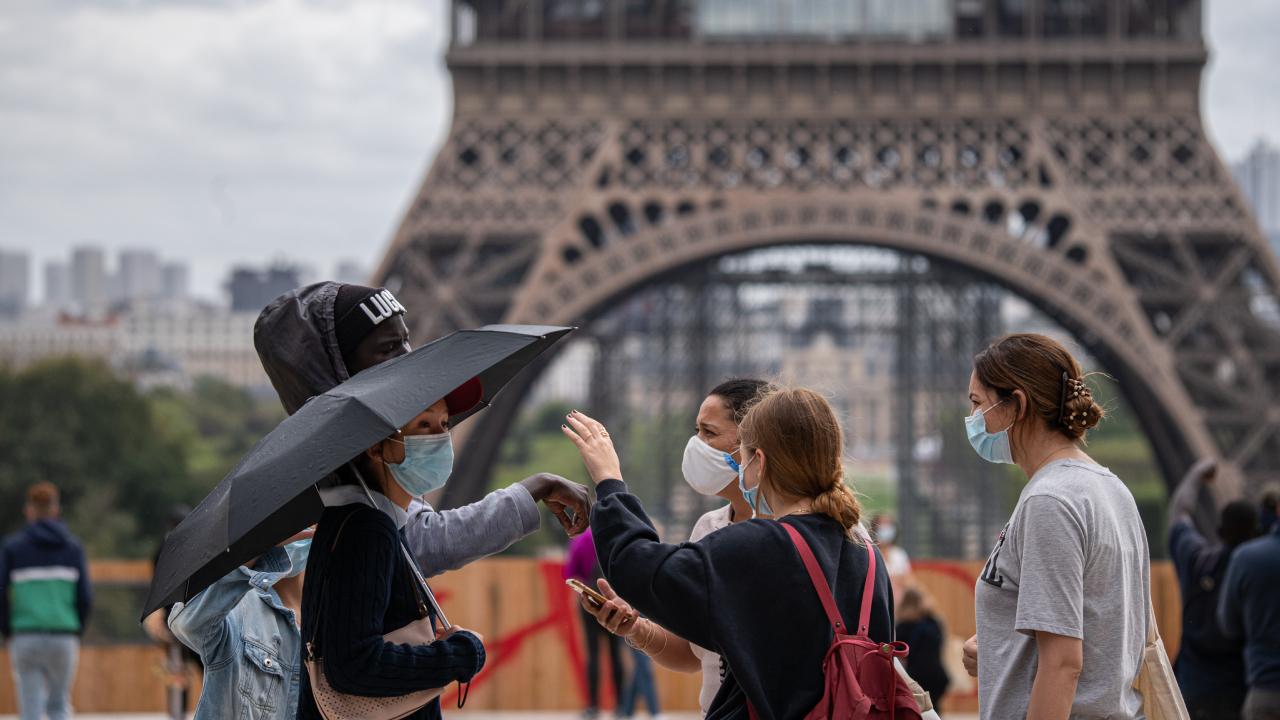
x,y
705,468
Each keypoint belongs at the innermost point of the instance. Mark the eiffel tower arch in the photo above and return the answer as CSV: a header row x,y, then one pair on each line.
x,y
598,146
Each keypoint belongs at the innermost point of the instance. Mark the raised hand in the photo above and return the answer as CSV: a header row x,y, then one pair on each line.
x,y
594,444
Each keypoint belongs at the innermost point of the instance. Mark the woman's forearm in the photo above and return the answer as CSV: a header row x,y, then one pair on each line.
x,y
666,648
1059,662
1052,694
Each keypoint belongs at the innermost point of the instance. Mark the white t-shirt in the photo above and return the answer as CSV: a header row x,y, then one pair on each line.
x,y
896,562
711,665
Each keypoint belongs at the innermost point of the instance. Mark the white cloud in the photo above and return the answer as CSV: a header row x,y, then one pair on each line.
x,y
1240,95
225,130
217,131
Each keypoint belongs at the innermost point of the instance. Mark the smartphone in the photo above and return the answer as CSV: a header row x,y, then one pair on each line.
x,y
594,598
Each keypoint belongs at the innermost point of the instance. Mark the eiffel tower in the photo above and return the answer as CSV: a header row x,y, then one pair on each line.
x,y
1054,147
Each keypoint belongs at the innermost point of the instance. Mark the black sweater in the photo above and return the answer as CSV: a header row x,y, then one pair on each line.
x,y
370,593
742,592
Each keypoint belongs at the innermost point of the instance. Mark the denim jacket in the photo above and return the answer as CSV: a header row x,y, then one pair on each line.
x,y
248,641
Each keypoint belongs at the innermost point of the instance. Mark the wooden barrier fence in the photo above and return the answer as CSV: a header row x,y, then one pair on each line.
x,y
534,639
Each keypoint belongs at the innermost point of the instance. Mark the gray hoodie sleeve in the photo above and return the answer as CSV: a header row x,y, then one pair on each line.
x,y
447,540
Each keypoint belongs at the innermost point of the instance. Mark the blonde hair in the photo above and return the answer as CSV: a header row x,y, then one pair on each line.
x,y
804,444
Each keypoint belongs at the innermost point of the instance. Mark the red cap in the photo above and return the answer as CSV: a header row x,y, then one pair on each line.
x,y
465,397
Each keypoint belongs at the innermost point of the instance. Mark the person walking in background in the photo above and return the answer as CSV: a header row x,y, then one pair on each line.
x,y
582,566
179,660
642,684
1210,665
884,531
921,630
1270,501
1249,608
1062,602
45,600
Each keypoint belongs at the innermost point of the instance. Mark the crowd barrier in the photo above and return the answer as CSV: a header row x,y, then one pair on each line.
x,y
534,639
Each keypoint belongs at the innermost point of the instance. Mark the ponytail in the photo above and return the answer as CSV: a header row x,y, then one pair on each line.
x,y
839,503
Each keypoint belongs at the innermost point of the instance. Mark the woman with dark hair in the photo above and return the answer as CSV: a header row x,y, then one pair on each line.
x,y
1062,603
710,467
743,591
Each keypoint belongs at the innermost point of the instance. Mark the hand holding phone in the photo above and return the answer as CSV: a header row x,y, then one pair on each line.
x,y
594,598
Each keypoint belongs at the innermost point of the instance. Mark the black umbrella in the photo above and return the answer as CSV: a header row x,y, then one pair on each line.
x,y
272,493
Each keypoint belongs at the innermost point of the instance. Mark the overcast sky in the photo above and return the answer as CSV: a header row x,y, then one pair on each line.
x,y
223,131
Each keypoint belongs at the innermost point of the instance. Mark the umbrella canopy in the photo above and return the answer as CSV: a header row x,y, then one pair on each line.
x,y
272,493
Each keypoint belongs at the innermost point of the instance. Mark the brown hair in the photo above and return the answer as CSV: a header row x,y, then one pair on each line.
x,y
1050,377
913,604
802,440
43,498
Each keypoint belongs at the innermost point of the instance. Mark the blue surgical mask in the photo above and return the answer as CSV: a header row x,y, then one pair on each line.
x,y
298,552
992,447
428,462
759,506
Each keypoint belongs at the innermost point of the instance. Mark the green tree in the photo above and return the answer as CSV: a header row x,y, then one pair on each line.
x,y
74,423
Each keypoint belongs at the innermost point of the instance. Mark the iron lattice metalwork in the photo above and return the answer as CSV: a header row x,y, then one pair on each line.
x,y
598,147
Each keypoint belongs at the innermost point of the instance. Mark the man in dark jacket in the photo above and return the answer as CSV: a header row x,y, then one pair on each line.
x,y
44,605
1249,608
1210,665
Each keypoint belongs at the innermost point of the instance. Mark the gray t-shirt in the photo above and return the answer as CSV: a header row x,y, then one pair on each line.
x,y
1072,561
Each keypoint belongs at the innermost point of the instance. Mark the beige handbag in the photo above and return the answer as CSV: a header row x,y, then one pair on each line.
x,y
334,705
1161,697
923,699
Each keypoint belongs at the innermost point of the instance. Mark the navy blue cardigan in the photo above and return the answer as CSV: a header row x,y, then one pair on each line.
x,y
743,592
369,593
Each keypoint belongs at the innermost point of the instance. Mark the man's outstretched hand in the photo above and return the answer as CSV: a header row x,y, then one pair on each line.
x,y
561,497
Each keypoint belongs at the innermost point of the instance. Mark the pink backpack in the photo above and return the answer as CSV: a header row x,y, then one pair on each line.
x,y
860,680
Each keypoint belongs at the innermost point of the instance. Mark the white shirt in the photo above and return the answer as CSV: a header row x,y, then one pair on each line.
x,y
340,495
711,668
896,562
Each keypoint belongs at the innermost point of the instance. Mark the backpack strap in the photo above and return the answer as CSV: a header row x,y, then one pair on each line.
x,y
868,589
824,590
817,578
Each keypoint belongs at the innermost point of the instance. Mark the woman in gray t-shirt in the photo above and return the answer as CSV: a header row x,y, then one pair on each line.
x,y
1062,600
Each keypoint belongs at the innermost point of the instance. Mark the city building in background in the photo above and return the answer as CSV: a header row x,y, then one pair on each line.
x,y
1258,175
140,276
90,284
252,288
150,346
15,272
137,316
175,282
57,285
87,286
350,271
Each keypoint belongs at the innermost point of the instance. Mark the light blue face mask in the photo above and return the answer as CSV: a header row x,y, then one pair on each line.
x,y
759,506
428,462
992,447
298,552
